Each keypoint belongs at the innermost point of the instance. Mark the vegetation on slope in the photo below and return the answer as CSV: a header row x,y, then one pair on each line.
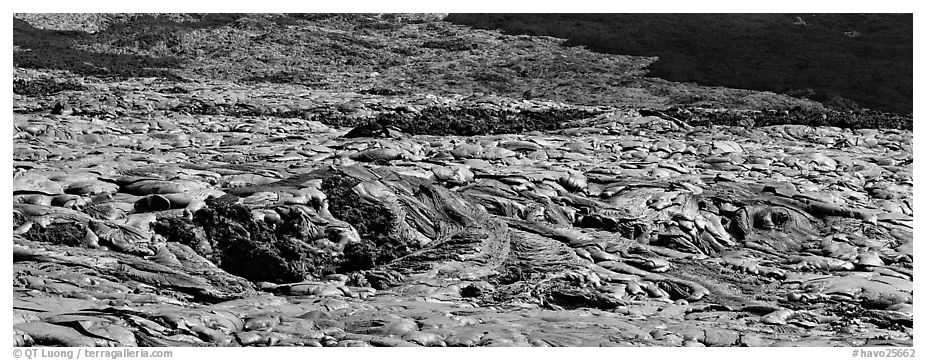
x,y
847,61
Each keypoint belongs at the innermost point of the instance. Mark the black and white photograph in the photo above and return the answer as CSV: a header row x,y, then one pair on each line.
x,y
461,179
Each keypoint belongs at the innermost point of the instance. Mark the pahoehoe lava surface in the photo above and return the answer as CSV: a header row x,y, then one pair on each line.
x,y
417,194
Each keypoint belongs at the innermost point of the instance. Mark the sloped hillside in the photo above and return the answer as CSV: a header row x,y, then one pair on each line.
x,y
847,61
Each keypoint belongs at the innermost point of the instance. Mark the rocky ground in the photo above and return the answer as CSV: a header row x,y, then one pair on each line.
x,y
193,204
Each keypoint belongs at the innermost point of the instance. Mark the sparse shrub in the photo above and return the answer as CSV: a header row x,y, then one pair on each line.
x,y
454,44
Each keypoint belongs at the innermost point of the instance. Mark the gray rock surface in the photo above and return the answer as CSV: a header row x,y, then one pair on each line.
x,y
241,215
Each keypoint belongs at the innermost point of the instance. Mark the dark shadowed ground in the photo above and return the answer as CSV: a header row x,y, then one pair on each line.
x,y
51,49
844,60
